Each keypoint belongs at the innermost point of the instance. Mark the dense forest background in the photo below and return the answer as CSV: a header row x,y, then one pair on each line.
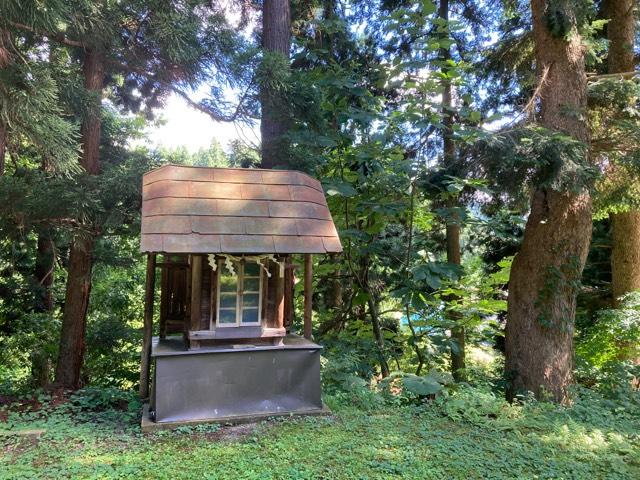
x,y
480,159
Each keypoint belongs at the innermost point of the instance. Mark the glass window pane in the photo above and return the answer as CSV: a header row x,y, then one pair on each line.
x,y
228,300
250,300
227,317
228,283
250,315
251,269
251,285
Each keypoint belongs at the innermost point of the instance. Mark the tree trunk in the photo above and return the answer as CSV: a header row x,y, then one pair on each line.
x,y
545,273
44,270
276,38
74,319
625,231
93,70
43,274
377,334
458,358
453,225
6,58
625,253
3,145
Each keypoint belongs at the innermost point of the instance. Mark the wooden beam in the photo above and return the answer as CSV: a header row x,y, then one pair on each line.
x,y
308,294
145,360
196,291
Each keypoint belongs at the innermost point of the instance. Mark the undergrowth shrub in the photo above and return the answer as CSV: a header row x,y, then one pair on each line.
x,y
476,405
407,388
103,405
614,337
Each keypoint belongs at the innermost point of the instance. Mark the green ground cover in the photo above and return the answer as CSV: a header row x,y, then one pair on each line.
x,y
471,434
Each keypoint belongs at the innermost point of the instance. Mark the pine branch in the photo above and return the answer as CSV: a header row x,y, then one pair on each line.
x,y
214,115
58,37
621,75
210,112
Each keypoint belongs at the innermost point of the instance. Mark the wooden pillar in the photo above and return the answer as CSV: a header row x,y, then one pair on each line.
x,y
164,299
288,293
280,297
145,360
196,293
308,294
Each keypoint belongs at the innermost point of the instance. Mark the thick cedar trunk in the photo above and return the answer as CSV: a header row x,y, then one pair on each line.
x,y
547,269
93,70
74,318
453,225
625,231
621,35
276,37
625,253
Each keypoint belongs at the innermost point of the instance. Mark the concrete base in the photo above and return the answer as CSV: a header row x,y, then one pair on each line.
x,y
230,382
149,426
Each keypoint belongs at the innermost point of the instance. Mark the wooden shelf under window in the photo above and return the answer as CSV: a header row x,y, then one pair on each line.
x,y
224,333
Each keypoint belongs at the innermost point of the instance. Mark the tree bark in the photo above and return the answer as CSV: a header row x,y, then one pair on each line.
x,y
625,227
74,318
6,58
362,277
546,271
44,277
276,38
377,333
625,253
458,363
3,145
44,271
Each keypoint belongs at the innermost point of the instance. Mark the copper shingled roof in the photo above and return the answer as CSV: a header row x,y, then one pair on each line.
x,y
234,210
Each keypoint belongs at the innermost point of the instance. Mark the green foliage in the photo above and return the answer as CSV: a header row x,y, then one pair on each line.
x,y
615,123
115,319
100,404
32,111
213,156
534,156
615,336
407,387
478,407
470,433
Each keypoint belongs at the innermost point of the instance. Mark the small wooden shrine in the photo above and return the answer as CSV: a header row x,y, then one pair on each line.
x,y
223,241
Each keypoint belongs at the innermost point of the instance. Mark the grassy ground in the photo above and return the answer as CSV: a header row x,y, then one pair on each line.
x,y
473,435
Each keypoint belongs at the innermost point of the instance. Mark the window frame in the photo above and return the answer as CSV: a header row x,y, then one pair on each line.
x,y
239,295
